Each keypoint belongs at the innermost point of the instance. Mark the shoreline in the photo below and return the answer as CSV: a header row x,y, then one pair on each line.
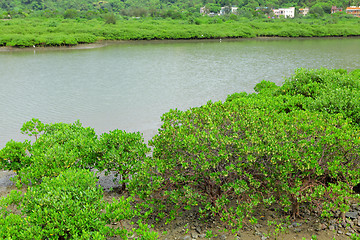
x,y
105,43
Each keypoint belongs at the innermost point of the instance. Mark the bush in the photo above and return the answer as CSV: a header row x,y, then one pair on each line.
x,y
331,91
61,146
264,86
313,82
222,153
70,206
110,18
67,206
58,146
70,13
122,153
14,156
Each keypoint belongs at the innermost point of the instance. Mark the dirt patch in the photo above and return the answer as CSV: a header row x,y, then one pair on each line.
x,y
271,225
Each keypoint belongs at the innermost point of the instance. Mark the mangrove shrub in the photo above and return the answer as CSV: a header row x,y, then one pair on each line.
x,y
70,206
229,157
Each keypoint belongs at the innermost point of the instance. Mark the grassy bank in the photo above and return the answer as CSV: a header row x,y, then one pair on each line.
x,y
59,32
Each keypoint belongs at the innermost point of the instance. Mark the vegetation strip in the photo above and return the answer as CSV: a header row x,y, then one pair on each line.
x,y
36,32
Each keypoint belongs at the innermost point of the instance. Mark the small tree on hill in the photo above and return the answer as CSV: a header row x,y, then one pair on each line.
x,y
110,18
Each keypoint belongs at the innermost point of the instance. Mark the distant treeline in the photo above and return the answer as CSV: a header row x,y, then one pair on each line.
x,y
58,32
159,8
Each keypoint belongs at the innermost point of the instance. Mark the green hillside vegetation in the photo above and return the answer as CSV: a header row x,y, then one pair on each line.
x,y
282,147
156,8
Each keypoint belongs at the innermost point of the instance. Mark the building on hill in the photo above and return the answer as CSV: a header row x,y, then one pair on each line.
x,y
353,10
204,10
304,11
223,11
226,9
335,9
263,10
286,12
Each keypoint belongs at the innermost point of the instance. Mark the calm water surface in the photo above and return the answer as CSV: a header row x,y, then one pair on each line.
x,y
130,85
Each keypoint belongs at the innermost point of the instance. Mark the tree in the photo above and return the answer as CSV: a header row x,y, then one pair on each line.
x,y
70,13
110,18
317,11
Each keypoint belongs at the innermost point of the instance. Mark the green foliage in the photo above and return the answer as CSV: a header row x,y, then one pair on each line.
x,y
143,232
311,82
14,156
122,153
331,91
70,13
218,152
317,11
58,32
354,236
110,18
265,86
155,8
33,128
70,206
66,206
60,147
255,149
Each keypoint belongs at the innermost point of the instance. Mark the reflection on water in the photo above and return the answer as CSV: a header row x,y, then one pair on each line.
x,y
130,85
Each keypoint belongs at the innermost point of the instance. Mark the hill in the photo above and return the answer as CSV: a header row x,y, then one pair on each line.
x,y
162,7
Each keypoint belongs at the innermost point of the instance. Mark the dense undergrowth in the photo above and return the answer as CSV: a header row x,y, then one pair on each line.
x,y
282,146
28,32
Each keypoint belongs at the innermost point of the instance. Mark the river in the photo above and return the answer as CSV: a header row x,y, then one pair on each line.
x,y
129,85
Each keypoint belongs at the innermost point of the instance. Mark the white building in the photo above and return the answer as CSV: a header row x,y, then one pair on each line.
x,y
304,11
286,12
232,10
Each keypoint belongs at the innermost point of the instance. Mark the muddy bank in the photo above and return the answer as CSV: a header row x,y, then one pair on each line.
x,y
75,47
104,43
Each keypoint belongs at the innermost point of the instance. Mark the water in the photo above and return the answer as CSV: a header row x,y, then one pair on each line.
x,y
130,85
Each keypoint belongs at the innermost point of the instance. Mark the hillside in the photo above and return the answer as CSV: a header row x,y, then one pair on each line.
x,y
160,7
